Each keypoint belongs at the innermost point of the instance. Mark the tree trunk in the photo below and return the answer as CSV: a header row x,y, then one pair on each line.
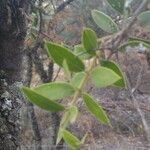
x,y
12,35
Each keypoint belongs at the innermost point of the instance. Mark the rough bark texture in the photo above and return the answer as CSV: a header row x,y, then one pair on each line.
x,y
12,34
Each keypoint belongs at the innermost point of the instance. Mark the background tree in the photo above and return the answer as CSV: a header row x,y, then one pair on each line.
x,y
13,28
16,66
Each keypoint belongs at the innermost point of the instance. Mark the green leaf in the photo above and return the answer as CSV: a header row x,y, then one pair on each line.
x,y
80,51
59,136
58,54
95,109
104,21
133,43
113,66
73,110
55,90
118,5
103,77
70,139
69,117
89,40
77,79
63,124
139,39
42,101
144,18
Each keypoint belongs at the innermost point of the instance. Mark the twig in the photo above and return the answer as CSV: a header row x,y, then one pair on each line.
x,y
136,13
53,5
139,78
62,6
50,71
30,107
38,63
35,56
47,36
39,67
57,74
144,122
29,65
118,39
123,34
45,76
145,125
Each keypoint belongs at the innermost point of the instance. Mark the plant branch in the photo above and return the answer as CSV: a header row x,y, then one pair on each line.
x,y
57,73
124,32
81,86
122,35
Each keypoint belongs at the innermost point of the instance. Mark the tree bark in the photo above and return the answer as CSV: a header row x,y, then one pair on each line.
x,y
12,34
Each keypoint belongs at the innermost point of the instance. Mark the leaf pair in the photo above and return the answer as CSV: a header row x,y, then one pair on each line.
x,y
89,45
89,41
42,101
60,54
107,74
114,67
45,96
64,57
